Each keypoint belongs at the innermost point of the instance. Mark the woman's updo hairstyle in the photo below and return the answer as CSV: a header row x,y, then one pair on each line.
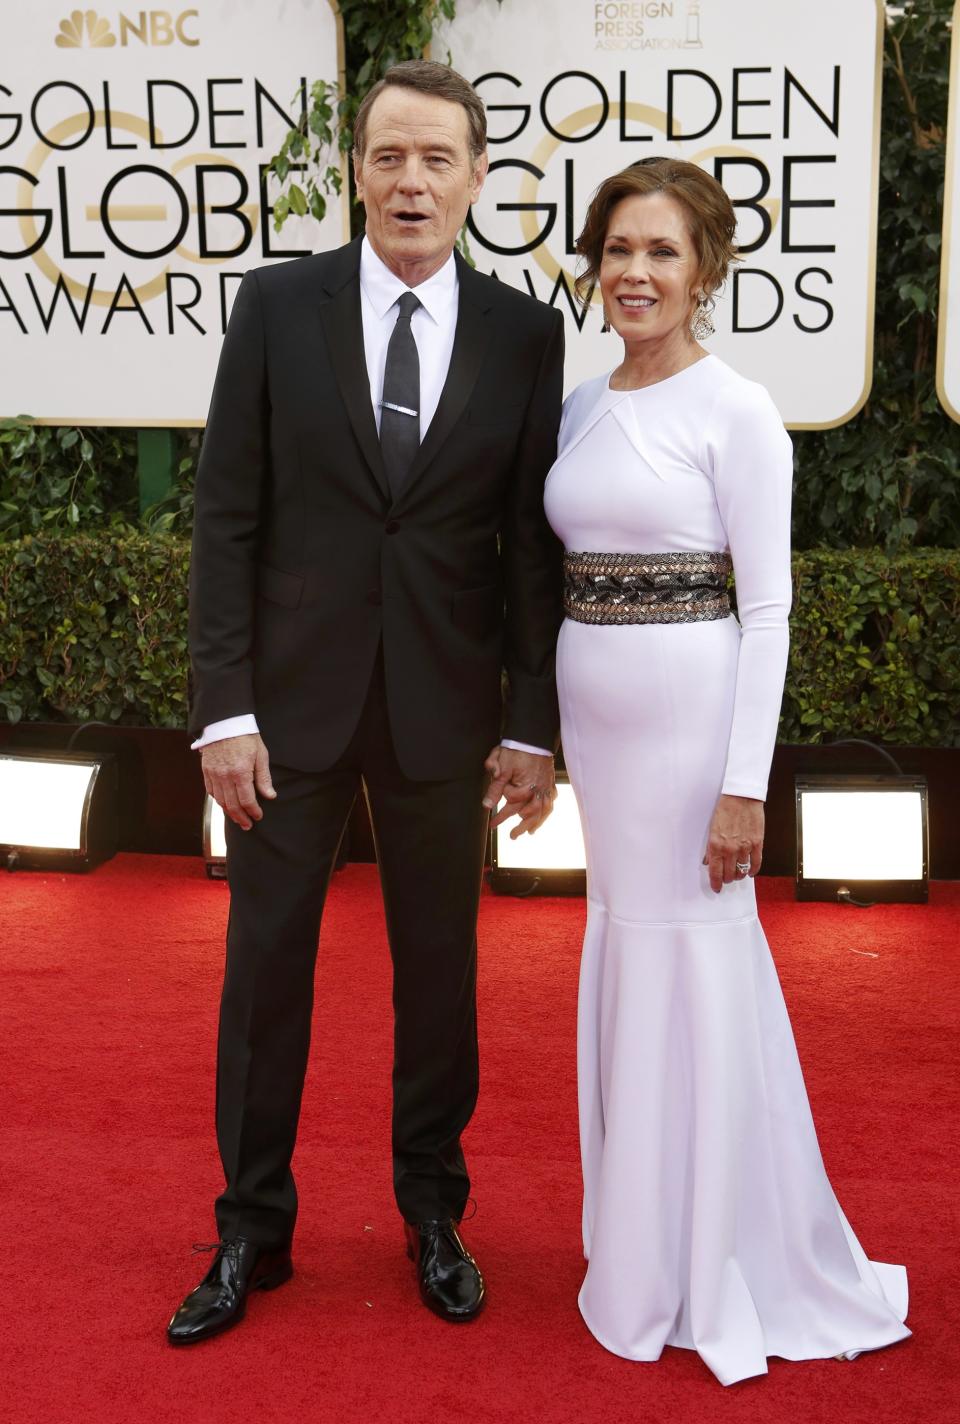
x,y
709,213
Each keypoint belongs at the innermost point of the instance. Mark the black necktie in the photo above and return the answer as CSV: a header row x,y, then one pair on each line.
x,y
400,406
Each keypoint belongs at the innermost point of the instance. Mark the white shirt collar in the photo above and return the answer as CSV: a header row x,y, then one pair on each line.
x,y
383,288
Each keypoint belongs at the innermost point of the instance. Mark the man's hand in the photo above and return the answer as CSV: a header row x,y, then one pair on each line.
x,y
234,770
736,835
526,781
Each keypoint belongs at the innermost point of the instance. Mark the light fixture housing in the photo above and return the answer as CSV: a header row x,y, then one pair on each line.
x,y
550,862
214,840
862,838
58,809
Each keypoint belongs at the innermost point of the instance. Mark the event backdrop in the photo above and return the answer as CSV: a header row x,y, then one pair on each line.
x,y
781,101
131,197
948,347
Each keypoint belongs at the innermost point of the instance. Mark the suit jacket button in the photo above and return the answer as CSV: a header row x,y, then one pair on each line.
x,y
374,597
392,526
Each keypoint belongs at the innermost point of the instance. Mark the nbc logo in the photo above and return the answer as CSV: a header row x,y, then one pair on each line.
x,y
151,27
99,34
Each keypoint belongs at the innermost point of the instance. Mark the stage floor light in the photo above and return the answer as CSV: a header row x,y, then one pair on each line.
x,y
862,838
550,862
214,840
58,810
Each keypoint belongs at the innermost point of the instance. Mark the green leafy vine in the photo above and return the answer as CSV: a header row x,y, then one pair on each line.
x,y
891,476
377,33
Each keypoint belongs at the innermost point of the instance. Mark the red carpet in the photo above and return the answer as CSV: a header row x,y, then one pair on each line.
x,y
108,1168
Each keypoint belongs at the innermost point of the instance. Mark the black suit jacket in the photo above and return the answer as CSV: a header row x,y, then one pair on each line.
x,y
302,563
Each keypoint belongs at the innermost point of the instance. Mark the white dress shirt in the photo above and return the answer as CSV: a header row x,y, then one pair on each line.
x,y
434,326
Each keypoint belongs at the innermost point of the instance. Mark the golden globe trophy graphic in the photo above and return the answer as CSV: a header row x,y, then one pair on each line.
x,y
134,194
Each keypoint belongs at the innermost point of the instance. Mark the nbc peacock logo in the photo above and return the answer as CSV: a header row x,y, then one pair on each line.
x,y
86,29
80,23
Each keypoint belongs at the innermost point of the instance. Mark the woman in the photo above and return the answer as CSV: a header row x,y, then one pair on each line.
x,y
708,1219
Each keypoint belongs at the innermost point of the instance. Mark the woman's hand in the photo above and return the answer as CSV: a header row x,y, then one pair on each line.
x,y
736,835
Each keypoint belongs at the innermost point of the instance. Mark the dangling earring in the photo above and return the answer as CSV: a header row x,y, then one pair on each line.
x,y
700,324
606,322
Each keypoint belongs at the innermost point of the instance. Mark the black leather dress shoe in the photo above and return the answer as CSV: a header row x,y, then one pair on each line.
x,y
449,1278
220,1299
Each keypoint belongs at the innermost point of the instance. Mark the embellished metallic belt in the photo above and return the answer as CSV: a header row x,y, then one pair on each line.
x,y
646,588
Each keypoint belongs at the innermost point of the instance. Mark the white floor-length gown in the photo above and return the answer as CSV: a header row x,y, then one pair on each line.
x,y
708,1218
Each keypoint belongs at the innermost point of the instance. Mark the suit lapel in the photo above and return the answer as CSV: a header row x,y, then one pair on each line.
x,y
342,323
470,343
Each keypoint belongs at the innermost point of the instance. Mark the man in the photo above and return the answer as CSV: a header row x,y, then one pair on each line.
x,y
369,552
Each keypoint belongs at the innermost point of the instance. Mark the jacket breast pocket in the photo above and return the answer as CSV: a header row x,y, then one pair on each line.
x,y
277,586
478,611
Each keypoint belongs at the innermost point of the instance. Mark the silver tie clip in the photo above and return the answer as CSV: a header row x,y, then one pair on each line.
x,y
401,409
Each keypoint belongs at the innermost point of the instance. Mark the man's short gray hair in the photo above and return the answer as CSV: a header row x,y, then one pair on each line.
x,y
427,77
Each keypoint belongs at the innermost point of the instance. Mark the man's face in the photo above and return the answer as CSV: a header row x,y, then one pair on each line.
x,y
416,180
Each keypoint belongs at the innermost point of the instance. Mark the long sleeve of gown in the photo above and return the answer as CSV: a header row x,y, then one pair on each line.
x,y
750,455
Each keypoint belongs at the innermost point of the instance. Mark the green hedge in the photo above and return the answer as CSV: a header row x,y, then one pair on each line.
x,y
875,647
94,626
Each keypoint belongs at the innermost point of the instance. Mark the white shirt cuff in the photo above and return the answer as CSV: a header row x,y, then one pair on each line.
x,y
247,724
242,726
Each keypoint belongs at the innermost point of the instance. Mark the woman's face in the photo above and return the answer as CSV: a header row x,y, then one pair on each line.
x,y
649,273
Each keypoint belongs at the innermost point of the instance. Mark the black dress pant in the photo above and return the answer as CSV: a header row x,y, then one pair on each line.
x,y
430,840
